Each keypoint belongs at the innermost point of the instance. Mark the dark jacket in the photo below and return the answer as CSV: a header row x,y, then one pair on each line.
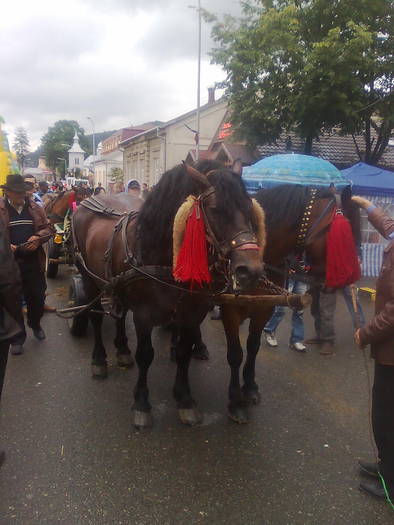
x,y
42,226
10,288
379,333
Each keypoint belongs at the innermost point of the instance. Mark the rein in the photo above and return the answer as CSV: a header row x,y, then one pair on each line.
x,y
135,272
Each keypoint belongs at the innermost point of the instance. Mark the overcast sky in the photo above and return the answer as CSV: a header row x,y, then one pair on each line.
x,y
121,62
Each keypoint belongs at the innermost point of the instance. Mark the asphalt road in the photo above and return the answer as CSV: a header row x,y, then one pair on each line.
x,y
73,457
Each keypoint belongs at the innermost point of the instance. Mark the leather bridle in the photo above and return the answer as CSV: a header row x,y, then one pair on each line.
x,y
244,239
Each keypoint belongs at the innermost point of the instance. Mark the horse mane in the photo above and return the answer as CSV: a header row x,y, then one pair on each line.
x,y
285,204
156,217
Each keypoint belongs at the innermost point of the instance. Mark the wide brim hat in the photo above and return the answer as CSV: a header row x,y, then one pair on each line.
x,y
16,183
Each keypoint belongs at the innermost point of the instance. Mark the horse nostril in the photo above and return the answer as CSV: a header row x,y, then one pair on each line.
x,y
242,273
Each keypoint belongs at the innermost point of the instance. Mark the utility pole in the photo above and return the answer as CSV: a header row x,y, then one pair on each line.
x,y
198,81
94,149
198,8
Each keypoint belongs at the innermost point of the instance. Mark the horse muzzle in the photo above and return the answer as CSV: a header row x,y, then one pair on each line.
x,y
247,269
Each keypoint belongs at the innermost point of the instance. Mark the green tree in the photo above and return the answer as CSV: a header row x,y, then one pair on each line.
x,y
309,66
116,175
58,140
21,146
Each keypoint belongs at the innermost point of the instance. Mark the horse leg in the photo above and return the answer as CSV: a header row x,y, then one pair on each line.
x,y
187,410
237,404
200,350
174,340
250,388
123,353
99,357
141,409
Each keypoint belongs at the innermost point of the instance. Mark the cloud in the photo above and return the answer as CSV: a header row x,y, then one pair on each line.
x,y
119,62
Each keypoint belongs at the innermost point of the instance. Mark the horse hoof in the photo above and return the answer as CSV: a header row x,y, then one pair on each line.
x,y
190,416
200,352
125,360
140,419
99,371
239,415
252,397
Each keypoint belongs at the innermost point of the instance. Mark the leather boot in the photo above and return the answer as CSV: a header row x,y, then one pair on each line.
x,y
327,348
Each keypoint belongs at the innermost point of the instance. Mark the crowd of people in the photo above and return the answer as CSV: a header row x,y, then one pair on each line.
x,y
25,228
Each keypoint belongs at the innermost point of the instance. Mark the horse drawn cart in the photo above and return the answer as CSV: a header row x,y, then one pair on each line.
x,y
59,209
59,250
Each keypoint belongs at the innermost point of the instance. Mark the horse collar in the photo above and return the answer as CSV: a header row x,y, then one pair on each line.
x,y
306,219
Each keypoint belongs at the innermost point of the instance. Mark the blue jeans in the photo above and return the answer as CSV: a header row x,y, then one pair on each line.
x,y
297,318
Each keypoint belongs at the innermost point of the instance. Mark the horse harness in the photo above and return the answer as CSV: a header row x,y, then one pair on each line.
x,y
307,233
160,274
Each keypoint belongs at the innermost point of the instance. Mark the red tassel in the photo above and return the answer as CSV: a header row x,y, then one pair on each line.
x,y
343,267
192,261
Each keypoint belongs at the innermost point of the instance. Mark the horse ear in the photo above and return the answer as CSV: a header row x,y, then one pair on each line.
x,y
346,196
237,167
199,177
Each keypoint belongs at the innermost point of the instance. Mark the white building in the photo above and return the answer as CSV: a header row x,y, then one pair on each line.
x,y
76,155
149,154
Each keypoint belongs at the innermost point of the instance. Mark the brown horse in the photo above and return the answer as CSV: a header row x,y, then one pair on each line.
x,y
148,242
56,205
297,220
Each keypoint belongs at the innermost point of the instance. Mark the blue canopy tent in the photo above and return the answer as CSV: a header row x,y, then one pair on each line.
x,y
370,180
292,169
377,185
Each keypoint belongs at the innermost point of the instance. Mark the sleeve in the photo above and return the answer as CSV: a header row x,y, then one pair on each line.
x,y
382,222
381,327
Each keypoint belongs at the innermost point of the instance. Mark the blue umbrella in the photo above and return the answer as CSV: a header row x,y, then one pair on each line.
x,y
292,169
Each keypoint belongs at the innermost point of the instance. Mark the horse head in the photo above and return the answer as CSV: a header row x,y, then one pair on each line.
x,y
234,224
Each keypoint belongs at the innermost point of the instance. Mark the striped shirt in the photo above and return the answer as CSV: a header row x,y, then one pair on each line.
x,y
21,223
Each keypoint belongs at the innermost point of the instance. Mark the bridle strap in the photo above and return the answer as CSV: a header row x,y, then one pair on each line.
x,y
224,247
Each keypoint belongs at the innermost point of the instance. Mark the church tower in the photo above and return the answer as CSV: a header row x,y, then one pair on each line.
x,y
76,155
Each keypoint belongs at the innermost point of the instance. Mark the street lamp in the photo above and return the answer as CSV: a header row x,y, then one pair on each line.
x,y
65,165
94,148
198,8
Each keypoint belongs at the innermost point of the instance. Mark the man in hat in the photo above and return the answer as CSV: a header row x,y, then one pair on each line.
x,y
28,229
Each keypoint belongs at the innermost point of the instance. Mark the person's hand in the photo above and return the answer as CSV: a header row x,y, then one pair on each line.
x,y
357,339
363,203
13,247
33,243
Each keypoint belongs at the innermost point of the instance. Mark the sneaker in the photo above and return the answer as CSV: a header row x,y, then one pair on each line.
x,y
271,339
298,346
16,349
